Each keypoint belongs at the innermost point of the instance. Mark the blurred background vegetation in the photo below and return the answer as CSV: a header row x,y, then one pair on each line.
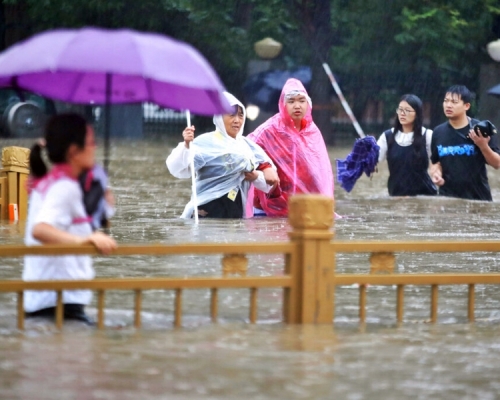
x,y
377,49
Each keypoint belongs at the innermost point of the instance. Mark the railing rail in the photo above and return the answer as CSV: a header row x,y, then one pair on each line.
x,y
415,246
192,282
150,249
416,279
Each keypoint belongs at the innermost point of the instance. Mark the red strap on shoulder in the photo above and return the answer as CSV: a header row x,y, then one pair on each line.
x,y
264,166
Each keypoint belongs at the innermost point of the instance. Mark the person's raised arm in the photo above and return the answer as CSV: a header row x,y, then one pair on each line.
x,y
178,160
48,234
492,158
188,135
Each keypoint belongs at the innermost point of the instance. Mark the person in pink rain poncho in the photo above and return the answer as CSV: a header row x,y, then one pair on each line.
x,y
295,144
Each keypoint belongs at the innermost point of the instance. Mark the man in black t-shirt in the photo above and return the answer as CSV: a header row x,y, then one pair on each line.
x,y
459,155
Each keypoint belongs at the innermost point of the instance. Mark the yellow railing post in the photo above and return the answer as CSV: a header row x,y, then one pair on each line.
x,y
15,167
4,201
311,217
471,303
100,309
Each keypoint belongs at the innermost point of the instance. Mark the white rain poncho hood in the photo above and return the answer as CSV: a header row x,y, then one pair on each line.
x,y
220,162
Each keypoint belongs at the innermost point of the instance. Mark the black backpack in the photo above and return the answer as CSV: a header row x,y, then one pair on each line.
x,y
93,192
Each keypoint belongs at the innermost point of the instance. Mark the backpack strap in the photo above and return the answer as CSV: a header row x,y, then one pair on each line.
x,y
388,134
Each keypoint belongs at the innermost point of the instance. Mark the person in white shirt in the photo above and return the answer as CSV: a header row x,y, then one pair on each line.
x,y
56,215
407,148
226,164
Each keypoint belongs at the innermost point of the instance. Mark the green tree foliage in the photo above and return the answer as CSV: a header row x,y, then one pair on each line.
x,y
386,48
379,49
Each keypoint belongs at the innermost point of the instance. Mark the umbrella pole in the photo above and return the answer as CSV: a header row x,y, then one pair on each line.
x,y
107,121
191,167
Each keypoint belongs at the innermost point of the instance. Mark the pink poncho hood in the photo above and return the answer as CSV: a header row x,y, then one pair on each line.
x,y
300,155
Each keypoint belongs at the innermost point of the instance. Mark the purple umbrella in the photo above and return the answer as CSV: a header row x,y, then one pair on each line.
x,y
99,66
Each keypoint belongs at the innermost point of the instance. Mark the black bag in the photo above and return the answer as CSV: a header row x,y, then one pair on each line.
x,y
92,194
485,128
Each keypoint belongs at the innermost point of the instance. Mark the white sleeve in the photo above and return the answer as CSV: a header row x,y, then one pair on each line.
x,y
260,183
382,143
428,140
60,205
178,162
109,210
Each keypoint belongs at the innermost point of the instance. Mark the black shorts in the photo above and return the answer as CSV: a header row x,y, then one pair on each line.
x,y
223,207
71,311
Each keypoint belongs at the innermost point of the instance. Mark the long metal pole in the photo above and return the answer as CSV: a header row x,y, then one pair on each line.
x,y
347,109
191,167
107,121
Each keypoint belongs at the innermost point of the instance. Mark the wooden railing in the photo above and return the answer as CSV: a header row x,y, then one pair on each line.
x,y
382,259
233,262
309,279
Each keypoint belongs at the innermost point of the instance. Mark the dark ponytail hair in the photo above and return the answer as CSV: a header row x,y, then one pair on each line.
x,y
418,139
61,132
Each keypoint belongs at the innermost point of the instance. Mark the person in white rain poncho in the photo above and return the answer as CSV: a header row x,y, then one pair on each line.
x,y
226,165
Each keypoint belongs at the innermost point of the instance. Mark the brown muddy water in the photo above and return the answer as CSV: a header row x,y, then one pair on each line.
x,y
235,360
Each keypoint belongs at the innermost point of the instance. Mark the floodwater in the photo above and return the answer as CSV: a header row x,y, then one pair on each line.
x,y
269,360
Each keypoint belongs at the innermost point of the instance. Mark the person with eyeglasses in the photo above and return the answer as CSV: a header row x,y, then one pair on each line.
x,y
459,154
407,148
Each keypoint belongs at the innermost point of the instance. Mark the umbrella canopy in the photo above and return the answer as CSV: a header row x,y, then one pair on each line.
x,y
264,89
495,91
72,66
99,66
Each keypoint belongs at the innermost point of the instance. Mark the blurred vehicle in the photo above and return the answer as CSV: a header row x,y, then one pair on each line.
x,y
23,114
